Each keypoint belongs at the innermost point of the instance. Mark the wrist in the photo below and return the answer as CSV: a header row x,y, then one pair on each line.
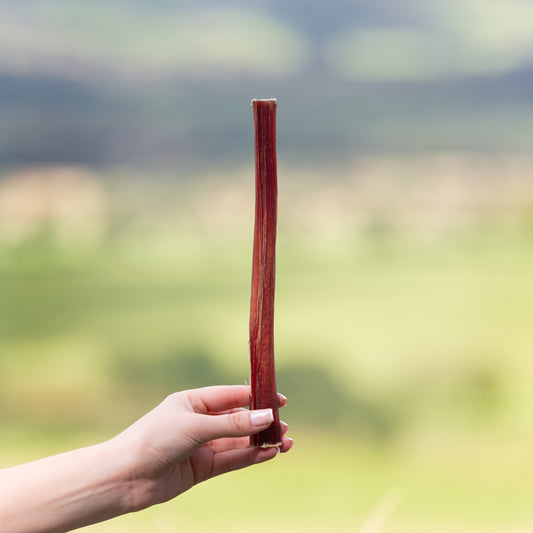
x,y
133,487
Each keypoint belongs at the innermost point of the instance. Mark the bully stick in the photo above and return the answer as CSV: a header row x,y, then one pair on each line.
x,y
263,377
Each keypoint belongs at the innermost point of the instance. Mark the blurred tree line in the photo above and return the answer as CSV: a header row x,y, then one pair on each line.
x,y
167,84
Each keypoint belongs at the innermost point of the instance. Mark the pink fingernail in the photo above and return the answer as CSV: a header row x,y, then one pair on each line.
x,y
261,417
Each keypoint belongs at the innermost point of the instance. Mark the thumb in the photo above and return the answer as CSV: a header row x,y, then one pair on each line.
x,y
238,424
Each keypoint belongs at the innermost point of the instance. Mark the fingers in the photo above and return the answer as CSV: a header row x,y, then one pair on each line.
x,y
222,398
234,443
229,411
282,400
218,398
237,424
222,414
286,444
234,459
241,443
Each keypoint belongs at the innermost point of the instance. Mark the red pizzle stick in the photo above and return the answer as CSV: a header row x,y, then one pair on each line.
x,y
263,377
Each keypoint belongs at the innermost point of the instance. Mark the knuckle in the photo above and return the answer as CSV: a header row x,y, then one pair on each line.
x,y
173,397
237,422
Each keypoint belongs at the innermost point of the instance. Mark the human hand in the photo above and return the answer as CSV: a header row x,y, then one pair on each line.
x,y
192,436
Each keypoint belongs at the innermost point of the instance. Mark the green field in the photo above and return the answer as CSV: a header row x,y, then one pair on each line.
x,y
405,355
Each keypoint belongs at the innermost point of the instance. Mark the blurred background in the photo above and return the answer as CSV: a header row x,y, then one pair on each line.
x,y
404,292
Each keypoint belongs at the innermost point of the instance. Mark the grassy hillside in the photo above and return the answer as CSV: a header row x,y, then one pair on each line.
x,y
404,349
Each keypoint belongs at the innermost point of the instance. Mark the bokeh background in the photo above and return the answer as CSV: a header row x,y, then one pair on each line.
x,y
404,292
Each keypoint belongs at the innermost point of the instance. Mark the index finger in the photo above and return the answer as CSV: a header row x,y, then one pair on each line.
x,y
222,398
218,398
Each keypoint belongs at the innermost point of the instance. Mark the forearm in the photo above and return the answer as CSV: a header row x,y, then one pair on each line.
x,y
66,491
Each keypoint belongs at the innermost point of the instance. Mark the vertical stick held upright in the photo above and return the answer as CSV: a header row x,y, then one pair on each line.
x,y
263,376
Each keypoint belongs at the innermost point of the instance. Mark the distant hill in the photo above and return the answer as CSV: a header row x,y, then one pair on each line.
x,y
168,83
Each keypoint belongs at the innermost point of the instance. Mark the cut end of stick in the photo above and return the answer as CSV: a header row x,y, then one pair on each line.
x,y
265,445
271,100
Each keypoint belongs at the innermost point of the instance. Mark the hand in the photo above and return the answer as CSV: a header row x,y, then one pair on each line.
x,y
192,436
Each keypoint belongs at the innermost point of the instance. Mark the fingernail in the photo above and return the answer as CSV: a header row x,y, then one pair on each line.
x,y
284,397
261,417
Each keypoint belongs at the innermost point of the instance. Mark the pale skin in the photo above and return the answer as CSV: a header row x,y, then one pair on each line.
x,y
190,437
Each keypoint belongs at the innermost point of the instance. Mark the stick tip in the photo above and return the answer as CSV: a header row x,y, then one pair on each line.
x,y
270,102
